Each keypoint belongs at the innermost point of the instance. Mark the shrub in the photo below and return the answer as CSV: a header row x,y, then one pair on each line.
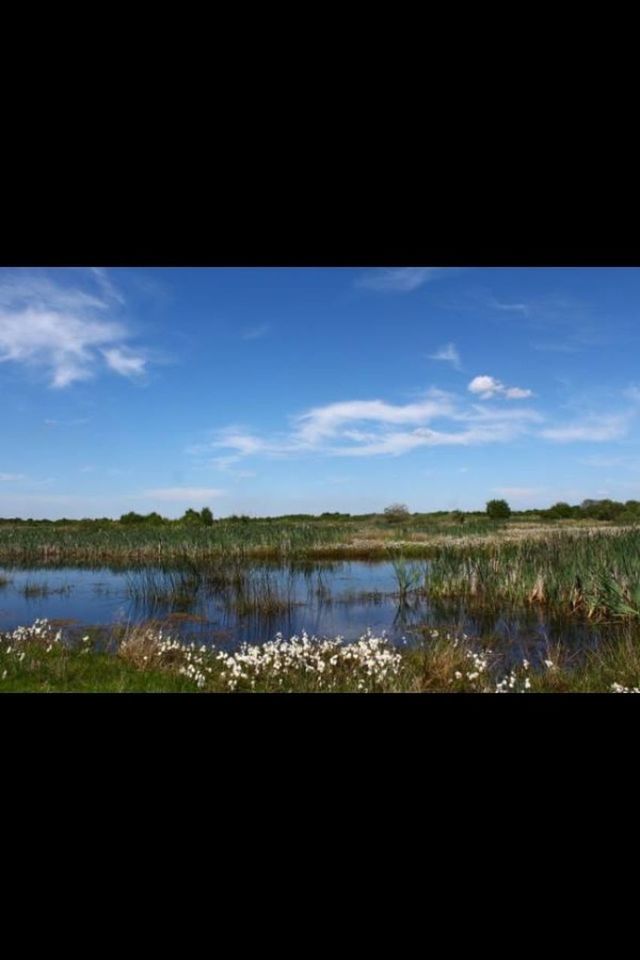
x,y
397,512
560,511
498,510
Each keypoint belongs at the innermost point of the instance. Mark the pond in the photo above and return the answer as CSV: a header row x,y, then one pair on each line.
x,y
230,605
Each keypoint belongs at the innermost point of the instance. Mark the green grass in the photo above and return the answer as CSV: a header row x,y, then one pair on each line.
x,y
594,574
116,544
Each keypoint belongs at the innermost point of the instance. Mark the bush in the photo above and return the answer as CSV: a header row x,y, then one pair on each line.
x,y
498,510
397,512
206,516
560,511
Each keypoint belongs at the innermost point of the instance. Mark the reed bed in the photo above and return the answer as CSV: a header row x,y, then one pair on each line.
x,y
126,545
594,574
149,545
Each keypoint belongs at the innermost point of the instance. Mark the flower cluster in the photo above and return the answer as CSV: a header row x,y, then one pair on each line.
x,y
320,663
149,648
40,632
517,680
473,670
618,688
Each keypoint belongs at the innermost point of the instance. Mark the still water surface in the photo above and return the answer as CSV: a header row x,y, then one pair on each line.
x,y
325,599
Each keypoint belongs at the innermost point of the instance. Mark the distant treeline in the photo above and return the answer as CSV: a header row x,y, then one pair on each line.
x,y
607,510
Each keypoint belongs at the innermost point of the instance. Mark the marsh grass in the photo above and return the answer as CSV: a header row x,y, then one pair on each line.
x,y
408,575
592,574
176,589
278,539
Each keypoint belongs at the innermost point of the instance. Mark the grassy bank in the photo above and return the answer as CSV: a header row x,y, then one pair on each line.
x,y
40,658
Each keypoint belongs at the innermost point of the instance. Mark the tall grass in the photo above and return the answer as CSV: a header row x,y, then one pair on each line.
x,y
593,574
408,576
281,539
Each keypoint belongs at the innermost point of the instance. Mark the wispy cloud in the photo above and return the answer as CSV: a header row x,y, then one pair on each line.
x,y
448,352
597,428
125,361
105,284
179,494
24,480
362,428
66,423
520,493
631,463
322,422
632,393
257,332
65,331
487,387
522,308
396,280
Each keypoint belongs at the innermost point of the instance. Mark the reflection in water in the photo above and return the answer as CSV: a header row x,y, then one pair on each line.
x,y
233,603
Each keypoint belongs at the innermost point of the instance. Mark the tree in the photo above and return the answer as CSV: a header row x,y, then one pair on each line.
x,y
397,512
191,516
498,510
131,517
206,516
560,511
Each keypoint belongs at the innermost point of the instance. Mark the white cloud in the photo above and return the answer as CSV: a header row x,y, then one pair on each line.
x,y
103,281
520,493
515,307
124,361
11,477
517,393
361,428
66,423
62,330
608,462
487,387
632,393
399,280
448,352
178,494
328,420
594,428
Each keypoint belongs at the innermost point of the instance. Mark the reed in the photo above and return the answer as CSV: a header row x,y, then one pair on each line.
x,y
593,574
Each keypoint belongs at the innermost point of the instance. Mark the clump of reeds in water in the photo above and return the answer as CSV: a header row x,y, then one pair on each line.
x,y
43,589
177,589
259,594
409,576
596,575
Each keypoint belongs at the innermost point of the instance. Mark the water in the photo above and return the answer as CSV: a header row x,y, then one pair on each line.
x,y
219,605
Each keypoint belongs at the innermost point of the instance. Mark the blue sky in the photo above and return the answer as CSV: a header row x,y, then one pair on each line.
x,y
268,391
